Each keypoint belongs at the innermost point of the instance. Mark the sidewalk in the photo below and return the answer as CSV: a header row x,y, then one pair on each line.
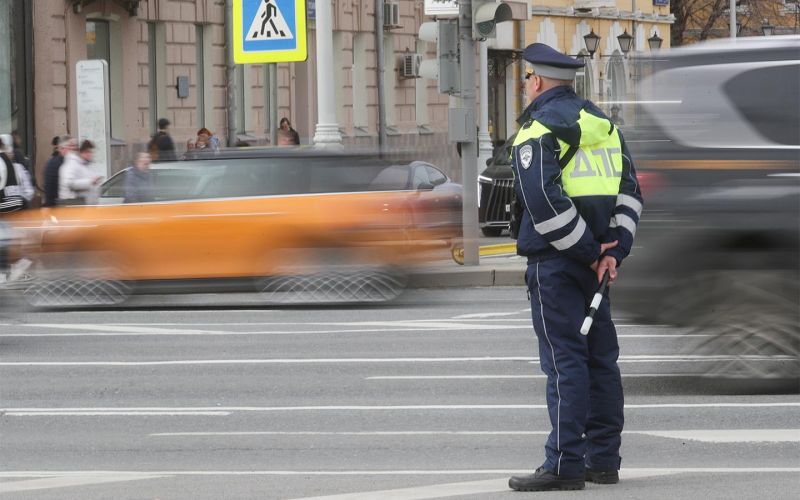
x,y
499,266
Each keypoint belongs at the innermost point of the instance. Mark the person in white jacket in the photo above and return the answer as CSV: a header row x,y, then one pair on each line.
x,y
23,176
77,183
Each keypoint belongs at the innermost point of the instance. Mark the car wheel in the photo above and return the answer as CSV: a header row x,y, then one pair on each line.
x,y
75,280
339,285
74,291
492,231
748,323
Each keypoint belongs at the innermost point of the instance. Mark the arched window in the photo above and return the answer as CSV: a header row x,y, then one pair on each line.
x,y
584,76
616,80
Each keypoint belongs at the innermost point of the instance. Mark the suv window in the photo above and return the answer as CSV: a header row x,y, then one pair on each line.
x,y
773,110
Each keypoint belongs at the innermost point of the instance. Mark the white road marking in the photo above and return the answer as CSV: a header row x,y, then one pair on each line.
x,y
510,377
100,330
62,481
423,492
121,329
355,433
275,361
411,323
501,485
703,435
231,409
454,377
733,435
59,479
427,331
487,315
645,358
108,413
625,472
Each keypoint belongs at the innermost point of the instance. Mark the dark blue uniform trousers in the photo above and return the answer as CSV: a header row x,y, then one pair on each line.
x,y
584,388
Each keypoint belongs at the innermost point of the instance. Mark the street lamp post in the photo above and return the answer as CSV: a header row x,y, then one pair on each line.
x,y
625,41
654,42
592,41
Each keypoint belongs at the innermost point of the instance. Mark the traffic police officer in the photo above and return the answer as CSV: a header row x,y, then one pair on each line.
x,y
581,204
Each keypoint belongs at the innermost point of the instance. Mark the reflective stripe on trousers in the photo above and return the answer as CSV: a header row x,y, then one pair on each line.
x,y
584,388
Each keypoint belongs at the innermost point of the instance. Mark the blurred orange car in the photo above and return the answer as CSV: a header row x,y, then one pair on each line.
x,y
281,221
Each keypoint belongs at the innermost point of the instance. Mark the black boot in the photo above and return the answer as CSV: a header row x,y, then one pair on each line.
x,y
544,480
602,476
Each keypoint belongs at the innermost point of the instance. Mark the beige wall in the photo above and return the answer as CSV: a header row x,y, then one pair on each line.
x,y
60,41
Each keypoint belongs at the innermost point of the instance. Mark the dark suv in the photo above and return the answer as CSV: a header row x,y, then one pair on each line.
x,y
495,187
717,148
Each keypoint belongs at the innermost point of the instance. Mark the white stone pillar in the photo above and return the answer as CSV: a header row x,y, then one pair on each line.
x,y
484,139
327,130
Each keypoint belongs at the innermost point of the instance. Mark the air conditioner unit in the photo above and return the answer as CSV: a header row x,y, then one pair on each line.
x,y
411,64
391,15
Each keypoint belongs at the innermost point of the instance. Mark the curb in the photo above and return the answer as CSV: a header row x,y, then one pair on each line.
x,y
469,277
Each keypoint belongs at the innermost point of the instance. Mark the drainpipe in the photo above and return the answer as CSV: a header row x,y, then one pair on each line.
x,y
379,56
273,103
230,74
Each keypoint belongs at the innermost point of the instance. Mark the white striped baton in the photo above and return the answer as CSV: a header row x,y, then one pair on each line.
x,y
598,297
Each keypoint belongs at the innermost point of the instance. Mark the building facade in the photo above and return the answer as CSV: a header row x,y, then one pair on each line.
x,y
610,74
151,44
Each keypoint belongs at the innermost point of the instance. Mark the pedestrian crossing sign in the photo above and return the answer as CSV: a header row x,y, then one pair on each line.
x,y
269,31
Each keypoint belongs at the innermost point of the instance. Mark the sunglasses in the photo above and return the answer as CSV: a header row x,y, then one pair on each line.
x,y
528,75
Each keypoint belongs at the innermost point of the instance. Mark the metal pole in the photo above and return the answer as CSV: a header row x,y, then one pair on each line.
x,y
379,65
469,157
230,74
273,103
733,18
485,149
519,84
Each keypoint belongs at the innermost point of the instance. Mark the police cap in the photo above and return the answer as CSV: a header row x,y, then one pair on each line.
x,y
550,63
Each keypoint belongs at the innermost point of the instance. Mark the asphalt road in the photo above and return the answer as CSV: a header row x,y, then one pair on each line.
x,y
438,395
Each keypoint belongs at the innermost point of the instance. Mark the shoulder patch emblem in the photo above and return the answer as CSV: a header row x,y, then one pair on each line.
x,y
525,156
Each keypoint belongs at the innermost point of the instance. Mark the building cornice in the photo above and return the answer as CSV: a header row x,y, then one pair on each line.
x,y
602,13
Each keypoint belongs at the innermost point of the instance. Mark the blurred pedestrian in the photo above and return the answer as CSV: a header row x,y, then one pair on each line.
x,y
139,180
284,138
10,193
615,117
293,136
77,183
580,206
189,153
211,140
161,147
26,189
19,155
61,146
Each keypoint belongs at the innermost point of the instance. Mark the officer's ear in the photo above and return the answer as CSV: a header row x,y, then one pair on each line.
x,y
538,83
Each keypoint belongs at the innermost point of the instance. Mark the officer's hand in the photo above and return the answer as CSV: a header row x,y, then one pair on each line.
x,y
596,264
603,248
606,246
607,263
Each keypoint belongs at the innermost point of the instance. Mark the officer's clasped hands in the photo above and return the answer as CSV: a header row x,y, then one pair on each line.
x,y
606,262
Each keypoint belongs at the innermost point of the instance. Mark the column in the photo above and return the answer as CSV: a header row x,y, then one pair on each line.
x,y
327,130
